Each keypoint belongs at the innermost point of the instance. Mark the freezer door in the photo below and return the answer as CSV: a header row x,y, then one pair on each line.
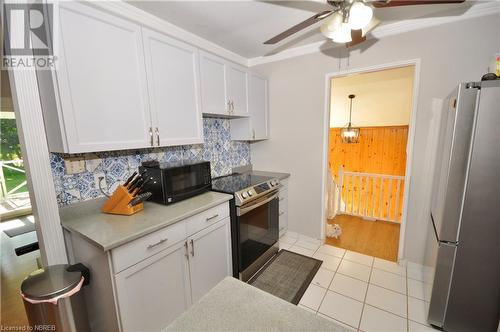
x,y
452,164
441,285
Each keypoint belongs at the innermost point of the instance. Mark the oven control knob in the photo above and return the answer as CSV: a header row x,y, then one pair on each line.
x,y
249,193
244,195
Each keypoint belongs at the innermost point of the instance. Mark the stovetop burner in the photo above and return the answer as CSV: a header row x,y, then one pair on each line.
x,y
245,187
236,182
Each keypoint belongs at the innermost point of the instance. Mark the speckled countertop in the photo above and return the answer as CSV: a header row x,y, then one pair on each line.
x,y
108,231
233,305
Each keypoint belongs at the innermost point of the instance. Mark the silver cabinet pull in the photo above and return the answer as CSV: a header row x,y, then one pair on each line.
x,y
157,136
212,217
192,247
253,133
232,106
282,199
151,135
187,250
282,213
151,246
229,106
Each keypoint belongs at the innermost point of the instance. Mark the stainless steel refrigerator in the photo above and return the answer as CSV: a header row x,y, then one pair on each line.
x,y
465,211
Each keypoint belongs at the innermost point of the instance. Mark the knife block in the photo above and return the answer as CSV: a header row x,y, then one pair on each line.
x,y
118,203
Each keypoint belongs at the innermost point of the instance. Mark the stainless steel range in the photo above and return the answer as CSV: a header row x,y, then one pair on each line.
x,y
254,220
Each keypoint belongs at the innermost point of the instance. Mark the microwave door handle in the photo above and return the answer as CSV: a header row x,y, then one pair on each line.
x,y
242,211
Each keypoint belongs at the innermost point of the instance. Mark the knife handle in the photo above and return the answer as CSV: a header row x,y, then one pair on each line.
x,y
130,178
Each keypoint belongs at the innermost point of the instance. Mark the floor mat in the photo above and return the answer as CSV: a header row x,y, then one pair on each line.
x,y
287,275
25,226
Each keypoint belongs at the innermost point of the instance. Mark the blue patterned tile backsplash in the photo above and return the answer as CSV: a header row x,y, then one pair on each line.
x,y
114,167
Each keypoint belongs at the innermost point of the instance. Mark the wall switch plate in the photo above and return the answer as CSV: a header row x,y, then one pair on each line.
x,y
74,165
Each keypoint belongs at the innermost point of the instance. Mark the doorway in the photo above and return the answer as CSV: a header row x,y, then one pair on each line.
x,y
370,120
17,225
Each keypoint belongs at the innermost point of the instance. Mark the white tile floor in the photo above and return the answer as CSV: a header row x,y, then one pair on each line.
x,y
361,292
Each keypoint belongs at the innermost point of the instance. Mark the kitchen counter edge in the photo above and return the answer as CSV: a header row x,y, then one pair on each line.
x,y
94,226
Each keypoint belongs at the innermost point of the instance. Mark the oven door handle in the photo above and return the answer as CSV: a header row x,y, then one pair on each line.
x,y
243,210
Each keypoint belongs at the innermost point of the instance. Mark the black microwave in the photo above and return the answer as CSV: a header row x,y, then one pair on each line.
x,y
170,183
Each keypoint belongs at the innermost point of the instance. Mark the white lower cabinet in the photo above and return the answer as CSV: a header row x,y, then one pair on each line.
x,y
209,258
152,293
155,291
144,284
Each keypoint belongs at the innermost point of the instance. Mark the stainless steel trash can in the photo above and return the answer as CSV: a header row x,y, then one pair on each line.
x,y
53,298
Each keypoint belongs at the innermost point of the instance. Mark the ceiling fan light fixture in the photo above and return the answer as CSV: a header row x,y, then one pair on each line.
x,y
335,29
360,15
342,34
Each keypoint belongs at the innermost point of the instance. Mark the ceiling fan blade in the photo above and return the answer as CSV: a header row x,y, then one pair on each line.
x,y
398,3
357,38
302,25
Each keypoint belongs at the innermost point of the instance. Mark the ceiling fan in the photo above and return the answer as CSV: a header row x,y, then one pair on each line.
x,y
349,21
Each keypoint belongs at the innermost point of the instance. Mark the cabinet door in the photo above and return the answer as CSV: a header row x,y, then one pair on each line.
x,y
236,80
102,81
152,293
174,90
258,107
209,257
213,84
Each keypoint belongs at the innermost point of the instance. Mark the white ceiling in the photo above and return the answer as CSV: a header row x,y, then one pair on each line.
x,y
242,26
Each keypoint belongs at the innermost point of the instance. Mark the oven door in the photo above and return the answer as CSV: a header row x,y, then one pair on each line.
x,y
258,228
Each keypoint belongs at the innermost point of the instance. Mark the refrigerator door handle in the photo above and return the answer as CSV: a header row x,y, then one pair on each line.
x,y
441,242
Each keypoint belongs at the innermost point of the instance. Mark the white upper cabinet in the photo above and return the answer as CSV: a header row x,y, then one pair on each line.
x,y
236,87
213,84
174,90
258,106
118,85
224,88
256,127
101,82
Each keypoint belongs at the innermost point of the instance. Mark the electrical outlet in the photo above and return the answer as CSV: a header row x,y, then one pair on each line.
x,y
74,165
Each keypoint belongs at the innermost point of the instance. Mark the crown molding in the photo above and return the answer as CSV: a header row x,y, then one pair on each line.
x,y
153,22
482,9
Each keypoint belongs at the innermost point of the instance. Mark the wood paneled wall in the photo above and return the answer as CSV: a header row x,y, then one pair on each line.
x,y
381,150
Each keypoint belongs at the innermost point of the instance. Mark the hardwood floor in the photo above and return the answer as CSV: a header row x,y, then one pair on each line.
x,y
13,270
374,238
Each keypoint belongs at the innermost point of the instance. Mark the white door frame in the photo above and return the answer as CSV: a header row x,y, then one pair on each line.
x,y
409,146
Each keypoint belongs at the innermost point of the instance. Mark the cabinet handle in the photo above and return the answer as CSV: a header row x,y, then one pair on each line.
x,y
253,133
282,198
192,247
212,217
282,213
157,136
151,246
229,106
187,250
232,106
151,135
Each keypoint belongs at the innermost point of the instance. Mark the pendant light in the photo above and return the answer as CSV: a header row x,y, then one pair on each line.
x,y
350,134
